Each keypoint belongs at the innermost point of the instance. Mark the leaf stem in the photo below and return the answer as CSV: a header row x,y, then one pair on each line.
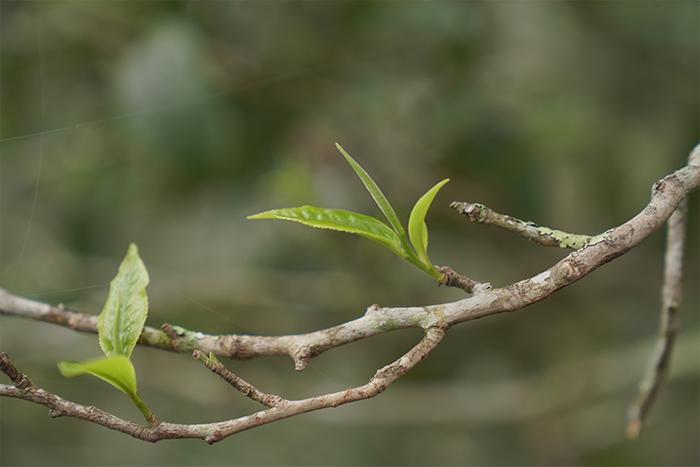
x,y
143,408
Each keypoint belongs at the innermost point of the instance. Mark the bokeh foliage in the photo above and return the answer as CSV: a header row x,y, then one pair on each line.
x,y
165,123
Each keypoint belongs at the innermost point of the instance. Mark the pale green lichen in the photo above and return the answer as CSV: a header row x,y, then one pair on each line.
x,y
186,339
572,241
567,240
156,339
388,324
439,313
599,238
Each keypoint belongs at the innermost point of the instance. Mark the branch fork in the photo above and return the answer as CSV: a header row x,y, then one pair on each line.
x,y
590,252
451,278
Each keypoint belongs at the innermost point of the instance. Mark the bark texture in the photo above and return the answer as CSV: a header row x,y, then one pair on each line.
x,y
590,252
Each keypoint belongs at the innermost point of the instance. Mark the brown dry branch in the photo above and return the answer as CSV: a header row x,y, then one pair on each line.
x,y
480,214
214,432
671,296
589,254
451,278
241,385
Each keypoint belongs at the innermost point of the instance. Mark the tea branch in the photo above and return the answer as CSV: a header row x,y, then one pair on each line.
x,y
667,194
214,432
241,385
480,214
671,296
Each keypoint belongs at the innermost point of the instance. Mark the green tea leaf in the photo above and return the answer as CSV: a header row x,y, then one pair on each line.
x,y
425,237
124,314
340,220
417,229
376,193
117,371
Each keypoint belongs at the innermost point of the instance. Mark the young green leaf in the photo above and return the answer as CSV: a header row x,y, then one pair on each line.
x,y
117,371
417,229
425,237
376,193
124,314
340,220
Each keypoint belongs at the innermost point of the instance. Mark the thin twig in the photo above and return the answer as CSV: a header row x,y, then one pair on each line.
x,y
480,214
668,193
214,432
241,385
671,297
300,347
451,278
377,320
19,379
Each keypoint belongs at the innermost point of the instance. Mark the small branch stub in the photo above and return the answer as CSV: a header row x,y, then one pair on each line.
x,y
590,254
278,408
480,214
20,380
454,279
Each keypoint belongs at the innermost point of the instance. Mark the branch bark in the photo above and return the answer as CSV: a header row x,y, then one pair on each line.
x,y
214,432
480,214
241,385
666,196
671,297
454,279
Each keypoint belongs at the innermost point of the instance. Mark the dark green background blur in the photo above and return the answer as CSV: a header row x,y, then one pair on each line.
x,y
166,123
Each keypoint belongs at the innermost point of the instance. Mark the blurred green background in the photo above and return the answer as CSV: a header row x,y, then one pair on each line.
x,y
165,123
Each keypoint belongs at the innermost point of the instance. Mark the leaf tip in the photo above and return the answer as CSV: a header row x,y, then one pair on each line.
x,y
65,369
343,152
132,250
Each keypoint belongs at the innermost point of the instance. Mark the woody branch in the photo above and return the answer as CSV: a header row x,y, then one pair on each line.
x,y
593,252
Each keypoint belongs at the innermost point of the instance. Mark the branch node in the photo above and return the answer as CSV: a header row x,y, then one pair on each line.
x,y
301,357
475,212
658,186
20,380
301,347
454,279
171,331
482,287
180,338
